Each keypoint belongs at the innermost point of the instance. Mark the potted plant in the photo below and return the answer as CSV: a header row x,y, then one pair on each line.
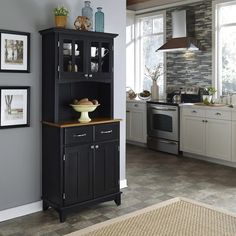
x,y
61,14
208,97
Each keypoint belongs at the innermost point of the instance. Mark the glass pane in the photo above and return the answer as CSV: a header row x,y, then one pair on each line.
x,y
227,14
79,62
228,49
147,26
162,122
151,59
67,55
94,57
105,54
157,25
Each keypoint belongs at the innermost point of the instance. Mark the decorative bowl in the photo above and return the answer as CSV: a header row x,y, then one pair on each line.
x,y
84,109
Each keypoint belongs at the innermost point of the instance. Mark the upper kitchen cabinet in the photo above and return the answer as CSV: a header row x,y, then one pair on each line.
x,y
79,55
76,65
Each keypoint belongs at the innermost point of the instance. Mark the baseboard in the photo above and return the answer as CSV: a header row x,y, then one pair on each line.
x,y
20,211
123,183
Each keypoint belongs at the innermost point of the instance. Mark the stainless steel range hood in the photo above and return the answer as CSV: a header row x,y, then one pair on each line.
x,y
183,23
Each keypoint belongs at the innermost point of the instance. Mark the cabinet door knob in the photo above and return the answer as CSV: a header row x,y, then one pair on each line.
x,y
206,121
136,105
193,111
218,114
203,120
92,147
96,146
85,75
90,75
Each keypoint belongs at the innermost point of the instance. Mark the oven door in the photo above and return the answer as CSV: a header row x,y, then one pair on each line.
x,y
162,121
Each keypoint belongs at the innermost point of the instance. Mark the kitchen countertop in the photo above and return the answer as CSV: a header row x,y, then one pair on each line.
x,y
136,100
207,107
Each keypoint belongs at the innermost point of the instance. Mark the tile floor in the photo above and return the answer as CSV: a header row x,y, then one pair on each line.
x,y
152,177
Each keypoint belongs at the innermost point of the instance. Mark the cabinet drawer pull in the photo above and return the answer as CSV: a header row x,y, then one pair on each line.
x,y
92,147
136,105
85,75
127,111
96,146
90,75
106,132
218,114
193,111
79,135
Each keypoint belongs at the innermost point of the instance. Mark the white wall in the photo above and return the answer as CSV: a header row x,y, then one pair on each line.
x,y
20,149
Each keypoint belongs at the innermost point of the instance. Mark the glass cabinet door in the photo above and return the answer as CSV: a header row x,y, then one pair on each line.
x,y
71,58
99,63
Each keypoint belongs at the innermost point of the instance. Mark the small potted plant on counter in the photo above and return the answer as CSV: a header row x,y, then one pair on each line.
x,y
208,97
61,14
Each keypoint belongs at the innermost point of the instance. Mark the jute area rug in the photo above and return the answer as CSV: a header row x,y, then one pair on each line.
x,y
177,217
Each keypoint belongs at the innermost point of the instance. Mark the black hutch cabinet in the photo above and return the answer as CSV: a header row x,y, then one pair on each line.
x,y
80,161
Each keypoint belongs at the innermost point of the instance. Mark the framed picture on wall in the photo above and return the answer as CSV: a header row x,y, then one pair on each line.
x,y
15,51
15,107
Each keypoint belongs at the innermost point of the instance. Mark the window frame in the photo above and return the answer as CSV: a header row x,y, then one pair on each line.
x,y
138,48
216,62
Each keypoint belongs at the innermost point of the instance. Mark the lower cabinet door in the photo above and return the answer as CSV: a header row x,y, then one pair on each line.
x,y
78,173
106,168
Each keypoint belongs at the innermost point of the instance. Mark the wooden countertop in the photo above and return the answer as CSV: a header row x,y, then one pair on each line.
x,y
77,123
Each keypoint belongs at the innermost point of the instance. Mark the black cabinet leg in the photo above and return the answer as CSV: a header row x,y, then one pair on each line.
x,y
45,206
62,217
118,200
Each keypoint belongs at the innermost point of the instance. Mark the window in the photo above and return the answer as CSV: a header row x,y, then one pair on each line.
x,y
150,36
225,41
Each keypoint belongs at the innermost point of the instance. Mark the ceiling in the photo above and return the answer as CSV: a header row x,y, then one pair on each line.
x,y
143,4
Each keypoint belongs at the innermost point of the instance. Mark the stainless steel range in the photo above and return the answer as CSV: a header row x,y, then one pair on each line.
x,y
163,119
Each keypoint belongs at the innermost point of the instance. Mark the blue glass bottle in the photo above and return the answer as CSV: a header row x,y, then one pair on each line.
x,y
88,12
99,20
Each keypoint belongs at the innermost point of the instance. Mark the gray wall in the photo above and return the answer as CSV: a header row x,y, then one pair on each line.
x,y
192,68
20,149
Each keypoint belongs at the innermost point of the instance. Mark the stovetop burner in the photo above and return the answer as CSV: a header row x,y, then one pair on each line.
x,y
164,102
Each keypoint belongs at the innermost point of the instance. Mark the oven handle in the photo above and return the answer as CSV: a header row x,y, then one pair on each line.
x,y
168,142
164,109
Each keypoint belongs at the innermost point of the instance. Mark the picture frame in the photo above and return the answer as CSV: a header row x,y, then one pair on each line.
x,y
15,51
14,106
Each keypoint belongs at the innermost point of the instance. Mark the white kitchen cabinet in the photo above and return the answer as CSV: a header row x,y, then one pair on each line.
x,y
218,139
206,132
234,136
136,121
193,135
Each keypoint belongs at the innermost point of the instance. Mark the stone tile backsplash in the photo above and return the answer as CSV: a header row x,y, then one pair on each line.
x,y
192,68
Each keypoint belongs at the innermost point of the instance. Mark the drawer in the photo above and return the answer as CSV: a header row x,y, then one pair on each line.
x,y
136,106
79,134
194,112
218,114
233,115
106,132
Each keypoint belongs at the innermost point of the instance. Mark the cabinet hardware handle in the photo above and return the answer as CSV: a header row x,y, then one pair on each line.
x,y
96,146
90,75
218,114
136,105
206,121
127,111
203,120
92,147
194,111
79,135
106,132
85,75
168,142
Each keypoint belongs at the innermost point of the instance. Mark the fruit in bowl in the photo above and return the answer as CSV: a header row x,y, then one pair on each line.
x,y
84,106
144,95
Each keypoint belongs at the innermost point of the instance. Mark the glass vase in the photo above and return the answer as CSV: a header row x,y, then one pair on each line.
x,y
88,12
99,20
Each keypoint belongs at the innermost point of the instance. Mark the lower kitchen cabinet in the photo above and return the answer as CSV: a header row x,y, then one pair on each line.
x,y
206,133
136,121
234,136
80,166
193,135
